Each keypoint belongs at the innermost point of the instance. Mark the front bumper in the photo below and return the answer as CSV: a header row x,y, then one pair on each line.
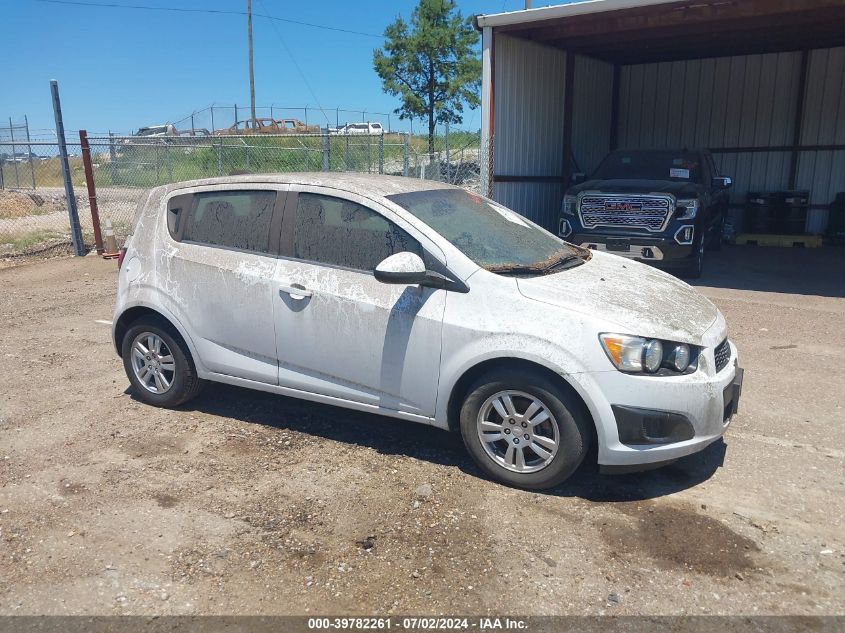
x,y
698,409
662,250
671,247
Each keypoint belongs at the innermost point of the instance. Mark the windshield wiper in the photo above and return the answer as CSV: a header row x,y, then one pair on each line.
x,y
541,268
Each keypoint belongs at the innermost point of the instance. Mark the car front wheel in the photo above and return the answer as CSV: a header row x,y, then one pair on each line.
x,y
158,364
523,429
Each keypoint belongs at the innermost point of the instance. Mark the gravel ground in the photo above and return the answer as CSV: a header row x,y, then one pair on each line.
x,y
243,502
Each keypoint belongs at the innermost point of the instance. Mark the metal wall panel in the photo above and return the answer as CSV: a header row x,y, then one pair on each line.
x,y
528,125
591,116
823,173
537,201
744,101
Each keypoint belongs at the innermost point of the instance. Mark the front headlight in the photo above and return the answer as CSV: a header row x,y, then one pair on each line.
x,y
687,209
636,355
569,204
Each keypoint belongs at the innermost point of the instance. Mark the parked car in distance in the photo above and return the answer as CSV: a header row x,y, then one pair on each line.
x,y
145,134
166,129
269,126
663,207
195,131
425,302
352,129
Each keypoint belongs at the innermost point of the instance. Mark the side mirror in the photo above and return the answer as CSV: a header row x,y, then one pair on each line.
x,y
578,177
402,268
722,182
408,269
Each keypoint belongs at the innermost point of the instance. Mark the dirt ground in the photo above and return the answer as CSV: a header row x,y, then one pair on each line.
x,y
244,502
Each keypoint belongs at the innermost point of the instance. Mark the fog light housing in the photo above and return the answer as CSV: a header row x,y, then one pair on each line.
x,y
685,235
565,228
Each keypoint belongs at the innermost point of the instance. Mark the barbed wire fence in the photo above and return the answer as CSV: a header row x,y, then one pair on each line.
x,y
33,205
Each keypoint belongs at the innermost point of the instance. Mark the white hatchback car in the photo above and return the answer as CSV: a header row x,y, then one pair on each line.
x,y
424,302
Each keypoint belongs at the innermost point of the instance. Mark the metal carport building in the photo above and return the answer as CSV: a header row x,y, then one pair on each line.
x,y
761,83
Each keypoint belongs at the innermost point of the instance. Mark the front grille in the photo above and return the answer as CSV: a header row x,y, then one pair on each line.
x,y
644,212
723,355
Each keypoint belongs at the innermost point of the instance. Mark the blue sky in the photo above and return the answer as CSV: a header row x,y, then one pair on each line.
x,y
119,69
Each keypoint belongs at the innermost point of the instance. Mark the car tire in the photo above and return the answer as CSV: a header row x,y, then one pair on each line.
x,y
158,363
695,267
561,440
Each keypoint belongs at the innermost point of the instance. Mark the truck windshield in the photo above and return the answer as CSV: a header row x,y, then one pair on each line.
x,y
650,165
491,235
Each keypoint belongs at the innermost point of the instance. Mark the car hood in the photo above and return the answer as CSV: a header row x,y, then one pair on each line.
x,y
640,299
675,187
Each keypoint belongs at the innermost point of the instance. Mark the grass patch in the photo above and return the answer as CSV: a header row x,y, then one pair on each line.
x,y
31,240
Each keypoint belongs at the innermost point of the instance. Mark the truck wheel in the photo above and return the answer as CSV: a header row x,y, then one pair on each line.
x,y
158,363
716,239
524,430
696,265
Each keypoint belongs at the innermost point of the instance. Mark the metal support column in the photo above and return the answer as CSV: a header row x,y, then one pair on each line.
x,y
73,216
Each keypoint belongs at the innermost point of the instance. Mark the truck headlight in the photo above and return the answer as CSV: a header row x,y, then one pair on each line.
x,y
569,204
636,354
687,209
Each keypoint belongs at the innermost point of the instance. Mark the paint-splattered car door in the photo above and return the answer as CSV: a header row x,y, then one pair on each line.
x,y
223,264
342,333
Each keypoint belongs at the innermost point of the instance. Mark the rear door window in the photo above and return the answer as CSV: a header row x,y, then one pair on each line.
x,y
233,219
339,232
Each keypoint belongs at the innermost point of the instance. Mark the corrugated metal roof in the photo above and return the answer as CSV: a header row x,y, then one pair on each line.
x,y
528,16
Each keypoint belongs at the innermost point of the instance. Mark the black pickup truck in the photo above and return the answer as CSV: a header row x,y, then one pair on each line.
x,y
663,207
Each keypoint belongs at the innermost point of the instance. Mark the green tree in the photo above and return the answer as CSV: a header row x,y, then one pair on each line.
x,y
432,64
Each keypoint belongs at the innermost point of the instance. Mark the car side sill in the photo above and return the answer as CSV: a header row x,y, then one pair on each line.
x,y
316,397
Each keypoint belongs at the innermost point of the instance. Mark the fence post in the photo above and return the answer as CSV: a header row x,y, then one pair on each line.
x,y
29,151
92,189
73,216
346,165
112,159
326,154
381,154
158,160
14,157
405,154
220,158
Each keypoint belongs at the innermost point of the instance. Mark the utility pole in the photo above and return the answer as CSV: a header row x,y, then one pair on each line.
x,y
251,73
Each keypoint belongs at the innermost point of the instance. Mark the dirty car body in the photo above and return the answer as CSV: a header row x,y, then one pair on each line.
x,y
421,301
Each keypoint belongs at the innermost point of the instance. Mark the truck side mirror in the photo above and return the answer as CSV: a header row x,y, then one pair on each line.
x,y
577,178
722,182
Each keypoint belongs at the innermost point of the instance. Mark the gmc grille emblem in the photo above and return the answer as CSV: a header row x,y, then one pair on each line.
x,y
623,206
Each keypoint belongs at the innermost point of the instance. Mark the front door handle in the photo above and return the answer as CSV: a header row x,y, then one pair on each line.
x,y
296,291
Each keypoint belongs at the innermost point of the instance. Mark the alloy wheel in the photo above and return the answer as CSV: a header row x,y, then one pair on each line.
x,y
518,431
153,363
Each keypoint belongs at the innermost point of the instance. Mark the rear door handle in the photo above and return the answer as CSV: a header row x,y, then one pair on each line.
x,y
296,291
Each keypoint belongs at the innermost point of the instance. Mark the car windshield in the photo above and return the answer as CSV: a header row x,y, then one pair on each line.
x,y
650,165
491,235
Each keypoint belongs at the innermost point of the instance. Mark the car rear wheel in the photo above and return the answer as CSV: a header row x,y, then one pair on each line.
x,y
158,363
523,429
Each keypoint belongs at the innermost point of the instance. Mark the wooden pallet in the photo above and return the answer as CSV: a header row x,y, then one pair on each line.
x,y
795,241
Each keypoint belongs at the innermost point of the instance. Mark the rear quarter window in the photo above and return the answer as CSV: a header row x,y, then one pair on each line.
x,y
231,219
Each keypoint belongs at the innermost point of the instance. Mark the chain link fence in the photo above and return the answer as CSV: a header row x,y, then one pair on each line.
x,y
33,206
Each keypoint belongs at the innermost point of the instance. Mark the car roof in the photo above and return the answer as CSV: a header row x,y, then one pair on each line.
x,y
368,185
